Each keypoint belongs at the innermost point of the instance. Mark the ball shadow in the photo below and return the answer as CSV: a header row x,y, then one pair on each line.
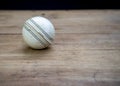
x,y
34,54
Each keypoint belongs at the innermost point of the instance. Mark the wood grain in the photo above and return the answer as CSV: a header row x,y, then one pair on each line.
x,y
85,52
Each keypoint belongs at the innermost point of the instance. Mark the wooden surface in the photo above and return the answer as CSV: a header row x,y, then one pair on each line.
x,y
85,52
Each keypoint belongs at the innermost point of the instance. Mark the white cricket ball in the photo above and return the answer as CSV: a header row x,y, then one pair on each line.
x,y
38,32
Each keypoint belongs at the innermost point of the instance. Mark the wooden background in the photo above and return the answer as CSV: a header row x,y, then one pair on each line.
x,y
85,52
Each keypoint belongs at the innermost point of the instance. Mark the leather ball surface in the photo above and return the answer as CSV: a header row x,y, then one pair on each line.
x,y
38,32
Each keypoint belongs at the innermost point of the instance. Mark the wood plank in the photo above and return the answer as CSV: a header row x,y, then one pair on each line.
x,y
64,21
67,41
85,52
